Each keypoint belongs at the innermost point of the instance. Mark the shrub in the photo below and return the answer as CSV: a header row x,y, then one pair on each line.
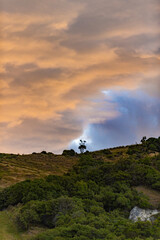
x,y
45,212
29,190
106,151
69,153
44,152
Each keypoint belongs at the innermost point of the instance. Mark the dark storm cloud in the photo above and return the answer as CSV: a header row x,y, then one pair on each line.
x,y
139,116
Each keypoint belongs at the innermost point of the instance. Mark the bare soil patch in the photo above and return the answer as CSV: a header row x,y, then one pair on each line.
x,y
153,195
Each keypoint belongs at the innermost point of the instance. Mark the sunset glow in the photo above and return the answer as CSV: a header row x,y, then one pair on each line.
x,y
78,68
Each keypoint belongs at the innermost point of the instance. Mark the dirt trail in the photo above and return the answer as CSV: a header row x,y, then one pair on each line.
x,y
153,195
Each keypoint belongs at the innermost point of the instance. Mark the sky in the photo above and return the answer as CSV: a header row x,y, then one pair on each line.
x,y
78,69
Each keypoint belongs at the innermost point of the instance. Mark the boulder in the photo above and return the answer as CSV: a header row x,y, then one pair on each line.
x,y
142,214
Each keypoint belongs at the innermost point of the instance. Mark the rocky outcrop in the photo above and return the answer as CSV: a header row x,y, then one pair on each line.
x,y
142,214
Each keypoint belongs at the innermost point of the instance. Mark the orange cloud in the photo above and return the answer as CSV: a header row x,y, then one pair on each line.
x,y
58,57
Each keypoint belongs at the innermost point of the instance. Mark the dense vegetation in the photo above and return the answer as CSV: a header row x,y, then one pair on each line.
x,y
92,200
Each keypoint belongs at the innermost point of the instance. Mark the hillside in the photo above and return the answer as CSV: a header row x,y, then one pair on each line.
x,y
80,197
15,168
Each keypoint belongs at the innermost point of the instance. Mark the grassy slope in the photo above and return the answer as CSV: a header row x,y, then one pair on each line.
x,y
16,168
8,230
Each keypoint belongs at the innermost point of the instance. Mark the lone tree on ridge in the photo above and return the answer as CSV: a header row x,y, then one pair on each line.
x,y
82,146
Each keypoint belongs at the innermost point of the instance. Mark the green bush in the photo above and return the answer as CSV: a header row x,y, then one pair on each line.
x,y
69,153
29,190
46,212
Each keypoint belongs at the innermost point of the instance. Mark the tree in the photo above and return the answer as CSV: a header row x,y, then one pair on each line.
x,y
143,140
82,146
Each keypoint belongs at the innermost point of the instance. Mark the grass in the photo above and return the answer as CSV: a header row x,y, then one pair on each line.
x,y
9,231
16,168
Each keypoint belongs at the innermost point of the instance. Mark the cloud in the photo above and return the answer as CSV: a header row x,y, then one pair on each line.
x,y
152,85
57,57
42,7
139,116
36,135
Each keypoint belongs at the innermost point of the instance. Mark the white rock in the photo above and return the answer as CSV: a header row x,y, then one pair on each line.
x,y
142,214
